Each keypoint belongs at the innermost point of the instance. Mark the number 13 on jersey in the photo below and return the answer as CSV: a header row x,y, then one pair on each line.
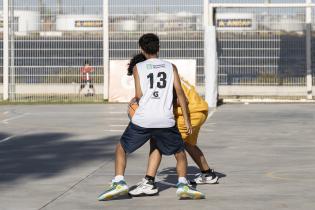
x,y
161,80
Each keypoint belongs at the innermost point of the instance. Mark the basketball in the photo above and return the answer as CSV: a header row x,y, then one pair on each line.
x,y
132,107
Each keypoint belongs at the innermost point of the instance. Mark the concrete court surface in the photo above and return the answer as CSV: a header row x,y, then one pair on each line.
x,y
62,156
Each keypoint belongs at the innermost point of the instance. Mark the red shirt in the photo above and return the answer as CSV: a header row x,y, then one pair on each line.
x,y
86,73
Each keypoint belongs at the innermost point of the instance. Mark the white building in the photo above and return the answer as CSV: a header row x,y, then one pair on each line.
x,y
24,22
79,23
236,21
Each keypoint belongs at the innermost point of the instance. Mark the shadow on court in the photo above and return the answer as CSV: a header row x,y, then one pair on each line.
x,y
170,176
49,154
4,135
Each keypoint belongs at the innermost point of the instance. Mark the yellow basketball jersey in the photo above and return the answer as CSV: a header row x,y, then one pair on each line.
x,y
195,102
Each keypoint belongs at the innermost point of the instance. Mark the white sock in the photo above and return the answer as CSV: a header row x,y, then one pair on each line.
x,y
118,178
182,180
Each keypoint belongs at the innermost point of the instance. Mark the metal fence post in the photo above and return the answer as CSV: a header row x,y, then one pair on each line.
x,y
5,49
12,27
210,58
308,35
206,20
105,49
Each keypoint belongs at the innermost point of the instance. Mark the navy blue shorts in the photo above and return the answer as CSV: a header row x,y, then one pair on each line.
x,y
167,140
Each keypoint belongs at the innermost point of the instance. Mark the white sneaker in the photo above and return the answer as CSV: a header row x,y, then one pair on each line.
x,y
201,178
144,188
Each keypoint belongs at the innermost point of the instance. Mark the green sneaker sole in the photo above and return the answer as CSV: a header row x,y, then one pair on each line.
x,y
195,196
112,196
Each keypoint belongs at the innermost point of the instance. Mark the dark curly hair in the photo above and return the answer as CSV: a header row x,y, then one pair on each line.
x,y
149,43
133,61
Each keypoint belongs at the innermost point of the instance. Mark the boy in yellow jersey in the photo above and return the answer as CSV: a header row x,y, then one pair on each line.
x,y
198,109
198,113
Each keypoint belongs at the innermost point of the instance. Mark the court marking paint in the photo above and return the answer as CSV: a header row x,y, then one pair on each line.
x,y
6,121
122,125
74,112
112,130
274,176
211,113
7,138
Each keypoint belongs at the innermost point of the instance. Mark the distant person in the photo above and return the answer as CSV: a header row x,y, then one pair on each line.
x,y
86,77
155,80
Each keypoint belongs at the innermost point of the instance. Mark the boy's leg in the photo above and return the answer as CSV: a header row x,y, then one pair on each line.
x,y
147,185
207,175
132,139
118,186
181,165
184,191
81,87
92,87
154,161
169,142
197,156
120,160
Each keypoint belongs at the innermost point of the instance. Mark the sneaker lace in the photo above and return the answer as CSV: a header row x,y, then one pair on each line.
x,y
140,184
198,174
180,184
212,174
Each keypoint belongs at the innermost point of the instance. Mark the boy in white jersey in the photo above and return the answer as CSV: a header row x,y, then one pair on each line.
x,y
198,110
154,118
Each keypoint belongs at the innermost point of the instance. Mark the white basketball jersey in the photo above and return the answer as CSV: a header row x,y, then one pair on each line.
x,y
156,105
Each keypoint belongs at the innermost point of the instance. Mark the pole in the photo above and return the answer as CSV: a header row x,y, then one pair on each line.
x,y
210,57
12,27
5,49
105,49
60,7
308,35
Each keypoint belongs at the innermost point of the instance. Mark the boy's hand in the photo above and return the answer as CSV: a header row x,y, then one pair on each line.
x,y
189,129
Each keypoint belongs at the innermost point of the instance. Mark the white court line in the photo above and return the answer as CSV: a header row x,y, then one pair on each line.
x,y
117,112
211,113
206,130
7,138
100,112
121,119
118,125
211,123
112,130
6,121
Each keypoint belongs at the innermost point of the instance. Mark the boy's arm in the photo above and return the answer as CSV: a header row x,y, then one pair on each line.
x,y
138,92
182,100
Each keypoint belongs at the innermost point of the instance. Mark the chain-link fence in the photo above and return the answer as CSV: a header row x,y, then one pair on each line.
x,y
263,54
269,51
262,51
50,41
179,25
49,44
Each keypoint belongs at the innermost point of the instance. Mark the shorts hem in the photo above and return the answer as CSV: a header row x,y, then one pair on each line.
x,y
125,148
